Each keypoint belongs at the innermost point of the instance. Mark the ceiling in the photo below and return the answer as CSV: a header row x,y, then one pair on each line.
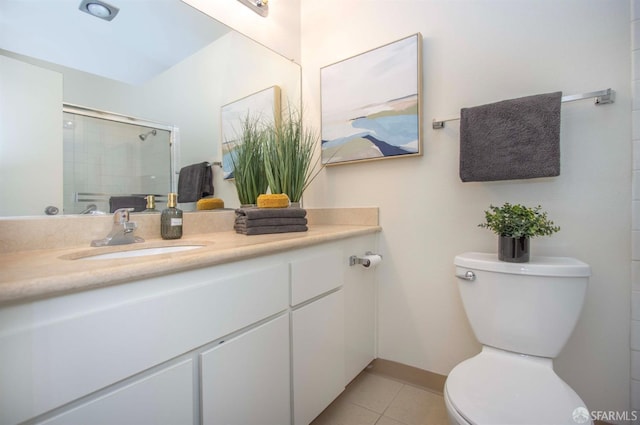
x,y
146,38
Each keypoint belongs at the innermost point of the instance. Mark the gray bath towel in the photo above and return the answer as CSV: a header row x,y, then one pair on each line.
x,y
138,203
511,139
262,221
195,181
243,221
266,230
254,213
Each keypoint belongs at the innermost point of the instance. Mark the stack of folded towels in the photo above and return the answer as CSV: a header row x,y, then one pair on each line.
x,y
262,221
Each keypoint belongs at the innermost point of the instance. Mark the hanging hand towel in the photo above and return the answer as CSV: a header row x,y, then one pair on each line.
x,y
511,139
195,182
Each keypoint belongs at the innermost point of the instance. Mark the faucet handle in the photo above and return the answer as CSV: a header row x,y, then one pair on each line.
x,y
121,215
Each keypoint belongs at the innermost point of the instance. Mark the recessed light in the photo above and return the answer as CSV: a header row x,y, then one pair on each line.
x,y
99,9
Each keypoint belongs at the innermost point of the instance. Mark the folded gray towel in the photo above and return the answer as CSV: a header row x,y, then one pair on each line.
x,y
511,139
253,213
195,181
138,203
264,230
277,221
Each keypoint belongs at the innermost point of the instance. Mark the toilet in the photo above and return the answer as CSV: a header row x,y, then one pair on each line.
x,y
523,315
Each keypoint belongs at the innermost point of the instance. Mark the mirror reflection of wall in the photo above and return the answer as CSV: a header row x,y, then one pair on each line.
x,y
105,158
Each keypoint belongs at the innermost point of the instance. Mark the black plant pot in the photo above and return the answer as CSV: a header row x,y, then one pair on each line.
x,y
513,250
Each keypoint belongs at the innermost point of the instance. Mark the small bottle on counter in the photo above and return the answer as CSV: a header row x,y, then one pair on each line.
x,y
171,220
151,204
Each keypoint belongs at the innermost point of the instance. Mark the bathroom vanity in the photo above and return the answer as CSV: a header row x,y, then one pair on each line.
x,y
263,330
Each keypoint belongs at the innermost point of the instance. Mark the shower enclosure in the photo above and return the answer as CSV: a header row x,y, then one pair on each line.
x,y
108,155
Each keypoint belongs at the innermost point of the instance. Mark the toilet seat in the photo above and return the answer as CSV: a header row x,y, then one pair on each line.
x,y
499,387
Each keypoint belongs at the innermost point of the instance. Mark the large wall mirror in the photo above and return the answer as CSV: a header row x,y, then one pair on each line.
x,y
158,60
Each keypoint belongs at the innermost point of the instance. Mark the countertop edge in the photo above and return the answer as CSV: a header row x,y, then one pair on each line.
x,y
68,276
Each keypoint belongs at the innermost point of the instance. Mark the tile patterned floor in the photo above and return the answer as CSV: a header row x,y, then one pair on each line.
x,y
378,400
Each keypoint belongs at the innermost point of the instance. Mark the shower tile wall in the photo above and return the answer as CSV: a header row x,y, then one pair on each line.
x,y
108,158
635,264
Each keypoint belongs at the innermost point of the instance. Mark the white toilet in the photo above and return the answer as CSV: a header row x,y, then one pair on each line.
x,y
522,314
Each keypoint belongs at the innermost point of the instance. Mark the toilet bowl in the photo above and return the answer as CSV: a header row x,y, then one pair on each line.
x,y
522,314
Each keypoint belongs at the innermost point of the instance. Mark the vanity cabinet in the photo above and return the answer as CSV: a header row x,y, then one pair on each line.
x,y
269,340
60,350
332,323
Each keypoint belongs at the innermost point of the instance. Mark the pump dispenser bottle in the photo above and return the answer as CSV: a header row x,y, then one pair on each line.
x,y
171,220
151,204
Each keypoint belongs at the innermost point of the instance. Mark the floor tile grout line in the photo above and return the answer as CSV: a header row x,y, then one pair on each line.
x,y
390,418
376,417
402,381
404,384
393,399
385,408
382,415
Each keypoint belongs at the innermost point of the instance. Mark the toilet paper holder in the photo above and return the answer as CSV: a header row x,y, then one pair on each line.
x,y
354,259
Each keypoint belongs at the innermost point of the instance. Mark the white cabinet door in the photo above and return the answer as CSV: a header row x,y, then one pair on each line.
x,y
246,380
360,317
318,356
164,397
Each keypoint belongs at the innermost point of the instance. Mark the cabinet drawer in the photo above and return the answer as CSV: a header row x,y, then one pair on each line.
x,y
315,274
163,398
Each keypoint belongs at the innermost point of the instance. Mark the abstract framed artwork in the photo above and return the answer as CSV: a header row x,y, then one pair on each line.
x,y
371,104
263,107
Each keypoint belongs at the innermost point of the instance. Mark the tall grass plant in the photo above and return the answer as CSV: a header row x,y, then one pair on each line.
x,y
248,160
288,156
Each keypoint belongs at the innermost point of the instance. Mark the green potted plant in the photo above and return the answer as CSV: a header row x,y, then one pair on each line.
x,y
247,158
288,155
515,225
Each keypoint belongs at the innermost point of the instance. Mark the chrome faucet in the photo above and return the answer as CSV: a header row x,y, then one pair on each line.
x,y
90,208
122,230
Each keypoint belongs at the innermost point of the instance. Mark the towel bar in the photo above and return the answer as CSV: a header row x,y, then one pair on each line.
x,y
211,164
602,97
104,197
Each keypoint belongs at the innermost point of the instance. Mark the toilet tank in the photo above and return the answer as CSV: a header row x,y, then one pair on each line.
x,y
529,308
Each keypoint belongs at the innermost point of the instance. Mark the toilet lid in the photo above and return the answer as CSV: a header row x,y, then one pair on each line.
x,y
496,387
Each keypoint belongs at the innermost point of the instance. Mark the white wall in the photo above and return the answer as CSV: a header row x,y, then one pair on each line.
x,y
477,52
30,139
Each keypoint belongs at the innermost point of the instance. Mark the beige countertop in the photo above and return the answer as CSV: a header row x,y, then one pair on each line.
x,y
40,273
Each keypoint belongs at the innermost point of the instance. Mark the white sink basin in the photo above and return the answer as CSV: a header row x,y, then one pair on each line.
x,y
142,252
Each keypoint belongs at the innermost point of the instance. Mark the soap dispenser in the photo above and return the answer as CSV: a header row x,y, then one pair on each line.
x,y
151,204
171,220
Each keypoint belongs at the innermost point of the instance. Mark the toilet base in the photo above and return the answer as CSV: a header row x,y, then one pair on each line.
x,y
452,413
500,387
